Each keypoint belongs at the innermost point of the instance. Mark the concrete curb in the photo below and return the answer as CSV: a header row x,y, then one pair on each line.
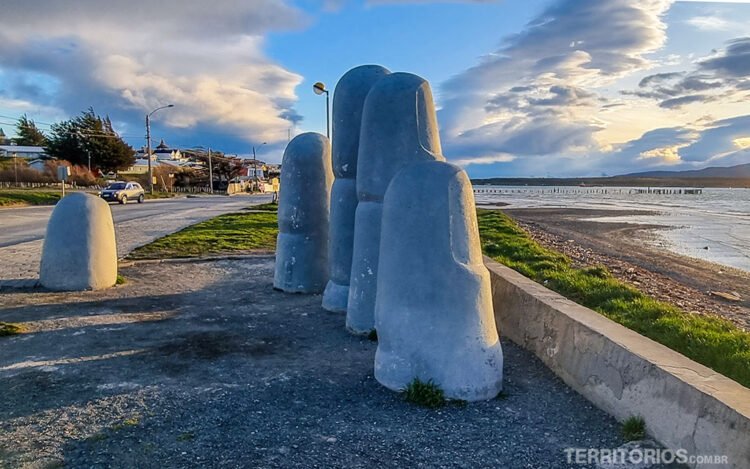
x,y
685,404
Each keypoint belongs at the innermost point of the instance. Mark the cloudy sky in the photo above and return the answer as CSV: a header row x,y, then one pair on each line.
x,y
524,88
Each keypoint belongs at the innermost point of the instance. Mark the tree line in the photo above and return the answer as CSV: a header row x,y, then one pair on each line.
x,y
80,140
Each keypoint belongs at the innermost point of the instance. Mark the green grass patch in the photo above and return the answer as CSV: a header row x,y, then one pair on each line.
x,y
120,280
426,394
634,428
232,232
10,197
267,207
711,341
10,328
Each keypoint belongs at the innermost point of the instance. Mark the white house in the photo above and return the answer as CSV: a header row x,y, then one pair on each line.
x,y
162,152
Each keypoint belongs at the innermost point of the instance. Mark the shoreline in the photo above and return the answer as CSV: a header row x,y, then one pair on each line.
x,y
694,285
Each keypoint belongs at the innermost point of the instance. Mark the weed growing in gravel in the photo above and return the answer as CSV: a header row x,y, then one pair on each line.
x,y
129,422
120,280
460,403
373,335
9,328
709,340
502,395
634,428
426,394
187,436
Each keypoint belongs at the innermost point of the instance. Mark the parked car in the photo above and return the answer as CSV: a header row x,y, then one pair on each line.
x,y
122,192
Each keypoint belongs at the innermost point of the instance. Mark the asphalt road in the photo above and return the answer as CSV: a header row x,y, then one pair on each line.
x,y
22,230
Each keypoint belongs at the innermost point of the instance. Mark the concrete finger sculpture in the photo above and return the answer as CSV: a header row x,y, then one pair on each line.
x,y
399,127
80,252
302,244
434,314
348,102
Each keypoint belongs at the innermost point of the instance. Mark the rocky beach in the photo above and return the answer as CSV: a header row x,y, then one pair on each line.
x,y
633,253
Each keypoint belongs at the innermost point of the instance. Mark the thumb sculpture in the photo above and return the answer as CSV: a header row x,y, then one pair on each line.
x,y
80,252
399,127
434,313
348,101
302,244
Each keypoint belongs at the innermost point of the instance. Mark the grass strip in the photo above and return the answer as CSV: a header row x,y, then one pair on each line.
x,y
709,340
227,233
28,197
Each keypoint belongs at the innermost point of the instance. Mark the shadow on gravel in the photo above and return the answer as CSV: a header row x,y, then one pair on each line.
x,y
244,376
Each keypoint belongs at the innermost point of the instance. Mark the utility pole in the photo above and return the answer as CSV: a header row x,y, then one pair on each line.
x,y
255,169
148,155
15,166
210,173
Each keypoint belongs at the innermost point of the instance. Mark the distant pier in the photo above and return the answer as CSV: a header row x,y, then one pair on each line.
x,y
589,190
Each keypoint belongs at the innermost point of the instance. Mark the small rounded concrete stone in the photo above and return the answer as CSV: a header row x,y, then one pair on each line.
x,y
304,195
348,103
434,312
80,252
399,126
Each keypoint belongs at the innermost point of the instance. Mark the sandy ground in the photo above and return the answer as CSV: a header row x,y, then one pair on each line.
x,y
692,284
203,364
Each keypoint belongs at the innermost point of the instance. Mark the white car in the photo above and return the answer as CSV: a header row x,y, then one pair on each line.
x,y
122,192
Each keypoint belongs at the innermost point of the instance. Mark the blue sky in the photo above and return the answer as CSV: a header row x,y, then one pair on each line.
x,y
523,88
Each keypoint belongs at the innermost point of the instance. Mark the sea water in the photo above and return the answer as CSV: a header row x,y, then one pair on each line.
x,y
713,225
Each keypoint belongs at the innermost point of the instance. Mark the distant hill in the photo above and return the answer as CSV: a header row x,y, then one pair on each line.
x,y
735,172
732,176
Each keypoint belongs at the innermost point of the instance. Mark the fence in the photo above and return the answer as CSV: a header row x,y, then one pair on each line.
x,y
192,190
43,185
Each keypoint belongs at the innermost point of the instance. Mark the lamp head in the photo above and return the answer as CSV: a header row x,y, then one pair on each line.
x,y
319,88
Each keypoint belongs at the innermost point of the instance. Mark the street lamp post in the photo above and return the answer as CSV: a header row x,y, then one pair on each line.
x,y
148,146
255,168
320,88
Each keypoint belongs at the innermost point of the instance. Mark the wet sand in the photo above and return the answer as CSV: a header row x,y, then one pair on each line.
x,y
631,252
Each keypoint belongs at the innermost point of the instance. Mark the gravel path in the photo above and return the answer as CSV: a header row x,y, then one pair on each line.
x,y
204,364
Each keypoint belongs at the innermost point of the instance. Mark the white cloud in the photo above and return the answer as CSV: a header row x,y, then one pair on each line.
x,y
710,23
536,94
204,57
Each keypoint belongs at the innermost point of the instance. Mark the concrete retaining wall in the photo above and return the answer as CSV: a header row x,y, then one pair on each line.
x,y
686,405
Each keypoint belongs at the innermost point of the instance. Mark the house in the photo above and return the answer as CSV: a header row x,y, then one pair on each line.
x,y
39,164
140,166
162,152
21,151
3,139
